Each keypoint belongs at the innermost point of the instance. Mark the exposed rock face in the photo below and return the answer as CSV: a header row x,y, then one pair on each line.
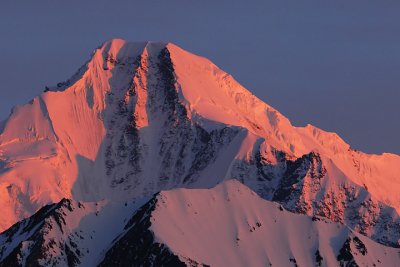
x,y
177,138
42,240
304,186
137,247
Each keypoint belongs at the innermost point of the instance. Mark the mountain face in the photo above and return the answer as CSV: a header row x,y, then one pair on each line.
x,y
228,225
139,118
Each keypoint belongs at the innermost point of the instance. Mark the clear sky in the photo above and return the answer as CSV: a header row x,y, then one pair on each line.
x,y
334,64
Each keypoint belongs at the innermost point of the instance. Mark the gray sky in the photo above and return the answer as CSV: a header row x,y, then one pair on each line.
x,y
335,65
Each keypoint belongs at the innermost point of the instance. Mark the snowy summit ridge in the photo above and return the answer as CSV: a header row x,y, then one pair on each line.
x,y
139,118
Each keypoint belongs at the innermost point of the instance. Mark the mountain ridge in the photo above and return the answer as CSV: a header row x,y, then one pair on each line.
x,y
140,118
173,228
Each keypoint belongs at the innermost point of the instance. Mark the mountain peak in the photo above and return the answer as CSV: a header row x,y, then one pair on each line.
x,y
142,117
121,48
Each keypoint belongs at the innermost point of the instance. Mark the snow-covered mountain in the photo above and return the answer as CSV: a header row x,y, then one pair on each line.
x,y
228,225
139,118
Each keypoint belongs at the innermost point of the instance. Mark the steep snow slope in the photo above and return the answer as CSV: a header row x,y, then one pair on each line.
x,y
142,117
214,95
69,233
228,225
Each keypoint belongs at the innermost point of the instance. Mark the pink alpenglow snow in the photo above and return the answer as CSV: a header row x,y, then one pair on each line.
x,y
140,118
228,225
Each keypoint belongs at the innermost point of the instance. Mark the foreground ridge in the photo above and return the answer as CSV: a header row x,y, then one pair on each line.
x,y
228,225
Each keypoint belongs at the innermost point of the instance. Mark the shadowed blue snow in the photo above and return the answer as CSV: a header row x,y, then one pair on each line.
x,y
335,65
